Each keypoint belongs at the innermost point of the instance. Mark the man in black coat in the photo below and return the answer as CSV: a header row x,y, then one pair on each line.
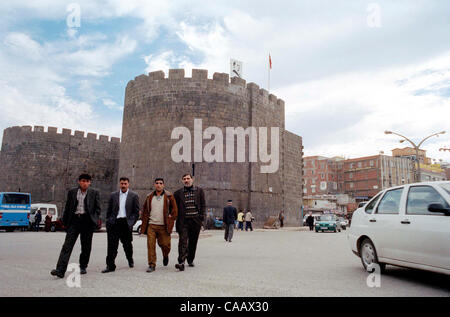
x,y
191,212
122,214
310,221
229,218
37,219
80,218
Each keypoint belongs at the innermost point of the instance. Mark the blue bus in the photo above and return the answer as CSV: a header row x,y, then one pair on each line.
x,y
14,210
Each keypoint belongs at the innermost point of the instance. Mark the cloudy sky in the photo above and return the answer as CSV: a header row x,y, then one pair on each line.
x,y
347,70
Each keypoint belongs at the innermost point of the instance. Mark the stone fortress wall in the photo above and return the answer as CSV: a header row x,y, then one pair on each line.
x,y
47,163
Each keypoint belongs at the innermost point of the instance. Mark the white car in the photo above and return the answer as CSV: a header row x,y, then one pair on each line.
x,y
137,226
407,226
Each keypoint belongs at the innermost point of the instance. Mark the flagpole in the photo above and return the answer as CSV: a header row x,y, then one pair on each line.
x,y
268,81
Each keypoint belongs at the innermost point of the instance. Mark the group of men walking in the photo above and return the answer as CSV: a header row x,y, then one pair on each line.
x,y
160,211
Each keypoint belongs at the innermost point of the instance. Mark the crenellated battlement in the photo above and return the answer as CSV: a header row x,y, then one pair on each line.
x,y
64,132
178,77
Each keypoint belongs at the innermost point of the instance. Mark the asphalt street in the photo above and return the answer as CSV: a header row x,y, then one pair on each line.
x,y
285,262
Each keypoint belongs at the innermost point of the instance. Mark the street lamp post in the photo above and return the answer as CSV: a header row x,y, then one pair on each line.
x,y
416,147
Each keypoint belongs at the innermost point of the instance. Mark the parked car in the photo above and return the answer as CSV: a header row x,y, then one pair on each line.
x,y
218,223
45,209
137,226
407,226
343,222
327,222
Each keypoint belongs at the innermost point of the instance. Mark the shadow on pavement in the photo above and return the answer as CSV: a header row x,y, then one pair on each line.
x,y
426,278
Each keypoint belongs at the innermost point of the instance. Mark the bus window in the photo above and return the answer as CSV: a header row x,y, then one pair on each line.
x,y
17,199
52,211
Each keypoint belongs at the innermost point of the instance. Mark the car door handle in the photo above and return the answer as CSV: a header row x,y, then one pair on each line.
x,y
373,220
405,222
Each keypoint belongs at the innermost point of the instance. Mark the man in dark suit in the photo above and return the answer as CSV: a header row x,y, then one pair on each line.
x,y
122,214
229,218
80,218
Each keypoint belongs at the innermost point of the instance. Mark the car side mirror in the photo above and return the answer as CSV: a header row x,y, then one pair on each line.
x,y
439,208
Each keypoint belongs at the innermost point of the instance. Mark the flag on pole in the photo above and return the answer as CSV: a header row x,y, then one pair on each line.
x,y
270,62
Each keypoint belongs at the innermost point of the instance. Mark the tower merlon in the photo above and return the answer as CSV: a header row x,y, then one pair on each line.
x,y
176,73
222,77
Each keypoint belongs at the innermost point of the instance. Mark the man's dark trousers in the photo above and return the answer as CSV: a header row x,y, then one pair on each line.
x,y
80,226
229,229
188,233
119,231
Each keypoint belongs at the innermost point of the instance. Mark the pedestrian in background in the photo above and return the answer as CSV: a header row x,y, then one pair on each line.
x,y
229,218
281,218
37,219
48,222
240,218
248,221
310,221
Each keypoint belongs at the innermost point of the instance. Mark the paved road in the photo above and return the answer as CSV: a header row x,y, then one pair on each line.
x,y
286,262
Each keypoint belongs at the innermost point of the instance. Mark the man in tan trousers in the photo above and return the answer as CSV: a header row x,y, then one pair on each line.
x,y
158,216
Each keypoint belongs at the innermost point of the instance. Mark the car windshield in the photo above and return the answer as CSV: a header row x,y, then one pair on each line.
x,y
446,187
327,218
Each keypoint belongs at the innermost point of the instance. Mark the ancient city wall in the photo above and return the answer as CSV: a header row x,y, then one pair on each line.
x,y
48,163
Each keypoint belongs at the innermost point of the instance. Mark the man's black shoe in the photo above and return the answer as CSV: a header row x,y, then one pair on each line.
x,y
107,270
131,263
180,266
191,264
57,273
83,271
166,261
150,269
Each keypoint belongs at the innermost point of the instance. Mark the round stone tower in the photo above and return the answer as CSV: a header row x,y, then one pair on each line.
x,y
155,106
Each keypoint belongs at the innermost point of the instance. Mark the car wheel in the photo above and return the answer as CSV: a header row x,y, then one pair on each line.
x,y
138,230
369,256
53,228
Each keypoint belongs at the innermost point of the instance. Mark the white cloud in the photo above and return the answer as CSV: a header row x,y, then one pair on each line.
x,y
347,114
34,79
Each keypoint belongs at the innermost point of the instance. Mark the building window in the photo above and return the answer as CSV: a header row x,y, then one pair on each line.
x,y
371,162
359,164
350,175
351,185
322,176
351,165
